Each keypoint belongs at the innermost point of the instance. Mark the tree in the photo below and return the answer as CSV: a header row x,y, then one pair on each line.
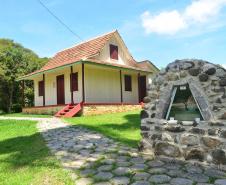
x,y
16,61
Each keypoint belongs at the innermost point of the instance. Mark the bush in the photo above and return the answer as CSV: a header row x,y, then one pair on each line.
x,y
16,108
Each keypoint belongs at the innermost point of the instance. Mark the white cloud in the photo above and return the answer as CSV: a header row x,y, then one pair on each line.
x,y
202,10
224,65
164,23
171,22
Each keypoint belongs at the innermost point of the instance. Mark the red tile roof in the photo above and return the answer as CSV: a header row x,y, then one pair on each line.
x,y
85,51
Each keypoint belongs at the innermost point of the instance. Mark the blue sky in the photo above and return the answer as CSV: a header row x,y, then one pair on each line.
x,y
158,30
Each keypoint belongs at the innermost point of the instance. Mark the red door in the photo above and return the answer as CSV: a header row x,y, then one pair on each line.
x,y
142,88
60,90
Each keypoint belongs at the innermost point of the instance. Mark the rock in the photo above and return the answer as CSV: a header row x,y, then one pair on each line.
x,y
212,131
144,128
120,180
219,156
157,170
195,153
210,141
223,134
183,74
159,80
144,114
141,183
223,116
84,181
103,176
220,182
141,176
203,77
197,177
196,130
153,94
181,181
173,128
167,149
172,122
209,69
172,76
102,183
218,100
156,136
215,173
186,65
159,179
155,163
194,71
147,99
187,123
222,82
189,139
153,115
220,72
121,171
162,71
166,137
105,168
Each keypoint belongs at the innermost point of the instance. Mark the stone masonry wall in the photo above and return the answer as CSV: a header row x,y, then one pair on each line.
x,y
203,141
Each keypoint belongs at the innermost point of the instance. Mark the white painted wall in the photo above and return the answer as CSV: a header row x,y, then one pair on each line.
x,y
38,99
51,87
130,96
102,85
105,53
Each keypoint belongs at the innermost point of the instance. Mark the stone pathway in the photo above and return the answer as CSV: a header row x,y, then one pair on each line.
x,y
97,160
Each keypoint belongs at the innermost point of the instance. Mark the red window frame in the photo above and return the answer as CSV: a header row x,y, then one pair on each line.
x,y
41,88
74,82
114,52
128,82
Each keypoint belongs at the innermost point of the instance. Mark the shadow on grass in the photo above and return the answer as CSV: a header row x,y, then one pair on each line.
x,y
127,132
23,150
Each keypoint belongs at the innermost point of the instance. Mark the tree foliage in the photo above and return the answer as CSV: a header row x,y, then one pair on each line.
x,y
16,61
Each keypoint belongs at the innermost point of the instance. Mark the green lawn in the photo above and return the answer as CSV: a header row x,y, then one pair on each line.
x,y
26,115
24,157
122,127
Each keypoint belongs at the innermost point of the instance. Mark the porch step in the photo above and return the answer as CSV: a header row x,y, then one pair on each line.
x,y
69,110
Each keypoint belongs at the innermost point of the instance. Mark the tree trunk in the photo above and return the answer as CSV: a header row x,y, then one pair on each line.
x,y
10,98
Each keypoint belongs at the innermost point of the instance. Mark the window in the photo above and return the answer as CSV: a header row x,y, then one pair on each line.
x,y
128,83
114,52
41,88
74,82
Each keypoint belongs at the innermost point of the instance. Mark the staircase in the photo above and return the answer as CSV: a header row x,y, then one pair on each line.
x,y
69,111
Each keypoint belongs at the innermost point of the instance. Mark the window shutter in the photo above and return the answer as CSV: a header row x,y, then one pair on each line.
x,y
41,88
128,83
113,52
74,81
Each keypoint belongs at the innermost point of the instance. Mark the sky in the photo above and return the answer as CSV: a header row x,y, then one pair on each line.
x,y
158,30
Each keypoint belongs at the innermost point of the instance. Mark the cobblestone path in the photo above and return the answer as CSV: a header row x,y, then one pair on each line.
x,y
95,159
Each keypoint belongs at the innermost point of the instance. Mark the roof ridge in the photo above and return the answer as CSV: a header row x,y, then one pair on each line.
x,y
88,40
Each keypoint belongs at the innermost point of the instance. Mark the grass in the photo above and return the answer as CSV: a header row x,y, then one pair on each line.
x,y
24,157
26,115
122,127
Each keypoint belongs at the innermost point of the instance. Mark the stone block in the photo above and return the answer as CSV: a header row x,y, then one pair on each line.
x,y
174,128
189,139
195,153
167,149
194,71
210,141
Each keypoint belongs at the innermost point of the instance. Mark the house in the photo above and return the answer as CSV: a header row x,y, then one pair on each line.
x,y
98,75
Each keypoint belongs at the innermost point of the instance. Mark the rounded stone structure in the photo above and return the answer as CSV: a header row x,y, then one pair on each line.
x,y
203,140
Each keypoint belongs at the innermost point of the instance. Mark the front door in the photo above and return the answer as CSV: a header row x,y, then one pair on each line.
x,y
60,90
142,88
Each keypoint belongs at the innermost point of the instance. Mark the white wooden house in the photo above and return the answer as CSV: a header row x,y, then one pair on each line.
x,y
97,72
